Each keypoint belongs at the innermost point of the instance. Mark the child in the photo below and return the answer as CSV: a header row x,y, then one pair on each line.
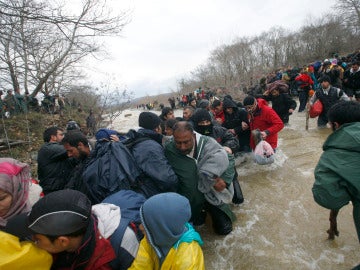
x,y
170,242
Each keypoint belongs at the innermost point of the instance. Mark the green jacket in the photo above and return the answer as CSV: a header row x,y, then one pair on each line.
x,y
337,174
186,169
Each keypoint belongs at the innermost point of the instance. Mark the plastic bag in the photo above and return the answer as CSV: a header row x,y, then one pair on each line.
x,y
316,109
263,153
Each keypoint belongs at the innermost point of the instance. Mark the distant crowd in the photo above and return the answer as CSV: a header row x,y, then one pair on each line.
x,y
16,103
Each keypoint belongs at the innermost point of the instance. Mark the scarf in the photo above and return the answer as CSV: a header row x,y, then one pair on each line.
x,y
15,179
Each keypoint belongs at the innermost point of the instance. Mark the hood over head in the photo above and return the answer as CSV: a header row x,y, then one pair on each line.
x,y
164,217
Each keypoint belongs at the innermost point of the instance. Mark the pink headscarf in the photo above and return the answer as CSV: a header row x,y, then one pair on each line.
x,y
15,179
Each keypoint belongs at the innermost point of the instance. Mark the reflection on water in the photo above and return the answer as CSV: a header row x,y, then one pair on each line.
x,y
279,226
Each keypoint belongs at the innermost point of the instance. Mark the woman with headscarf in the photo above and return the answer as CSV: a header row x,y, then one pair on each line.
x,y
15,187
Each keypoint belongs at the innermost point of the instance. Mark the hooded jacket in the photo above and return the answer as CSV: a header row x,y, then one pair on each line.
x,y
337,172
234,121
265,119
281,104
22,255
198,172
158,176
170,242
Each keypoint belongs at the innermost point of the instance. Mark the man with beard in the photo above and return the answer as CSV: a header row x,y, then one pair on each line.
x,y
205,176
337,172
77,146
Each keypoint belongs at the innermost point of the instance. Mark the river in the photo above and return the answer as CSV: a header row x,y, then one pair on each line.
x,y
279,226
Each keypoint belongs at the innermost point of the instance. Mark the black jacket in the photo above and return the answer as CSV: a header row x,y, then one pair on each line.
x,y
225,138
281,104
54,167
234,120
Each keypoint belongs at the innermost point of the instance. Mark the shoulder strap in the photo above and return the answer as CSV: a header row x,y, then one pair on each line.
x,y
130,143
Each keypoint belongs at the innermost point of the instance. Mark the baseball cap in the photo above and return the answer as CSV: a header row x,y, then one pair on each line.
x,y
58,213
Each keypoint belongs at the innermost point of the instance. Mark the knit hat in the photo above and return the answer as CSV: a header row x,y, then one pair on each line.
x,y
249,100
149,120
201,115
58,213
104,134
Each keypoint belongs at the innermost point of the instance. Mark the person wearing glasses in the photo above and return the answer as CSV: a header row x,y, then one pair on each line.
x,y
264,118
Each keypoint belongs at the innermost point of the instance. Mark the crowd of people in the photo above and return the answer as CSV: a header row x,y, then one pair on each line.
x,y
134,200
15,103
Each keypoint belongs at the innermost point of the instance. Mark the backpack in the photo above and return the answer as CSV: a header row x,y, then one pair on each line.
x,y
111,168
130,203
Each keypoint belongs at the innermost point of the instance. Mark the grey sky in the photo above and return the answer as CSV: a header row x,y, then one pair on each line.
x,y
166,40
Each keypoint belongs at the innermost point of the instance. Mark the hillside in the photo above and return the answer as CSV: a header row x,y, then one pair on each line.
x,y
29,128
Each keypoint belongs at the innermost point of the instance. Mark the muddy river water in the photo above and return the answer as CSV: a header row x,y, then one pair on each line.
x,y
279,226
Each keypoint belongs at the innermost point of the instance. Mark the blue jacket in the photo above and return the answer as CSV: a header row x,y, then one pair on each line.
x,y
157,174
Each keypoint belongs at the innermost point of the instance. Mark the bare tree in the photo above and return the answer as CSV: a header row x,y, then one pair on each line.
x,y
349,12
236,65
113,98
42,40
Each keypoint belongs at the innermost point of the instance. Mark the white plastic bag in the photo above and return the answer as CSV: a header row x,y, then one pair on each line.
x,y
263,153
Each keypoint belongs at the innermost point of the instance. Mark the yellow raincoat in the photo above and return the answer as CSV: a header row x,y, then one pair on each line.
x,y
16,255
186,256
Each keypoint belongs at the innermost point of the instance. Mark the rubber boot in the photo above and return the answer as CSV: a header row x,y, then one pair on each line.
x,y
238,197
221,223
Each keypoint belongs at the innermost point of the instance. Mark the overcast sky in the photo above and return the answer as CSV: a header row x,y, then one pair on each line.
x,y
166,40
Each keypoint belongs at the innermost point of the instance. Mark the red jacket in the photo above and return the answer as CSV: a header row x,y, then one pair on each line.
x,y
103,254
304,80
220,116
265,118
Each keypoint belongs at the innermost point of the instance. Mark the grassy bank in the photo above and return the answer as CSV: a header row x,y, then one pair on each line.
x,y
27,130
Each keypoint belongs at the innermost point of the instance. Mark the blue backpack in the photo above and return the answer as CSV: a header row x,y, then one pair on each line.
x,y
111,168
130,203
